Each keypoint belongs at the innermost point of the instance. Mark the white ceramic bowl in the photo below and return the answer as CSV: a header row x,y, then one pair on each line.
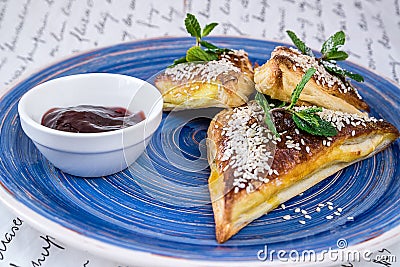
x,y
91,154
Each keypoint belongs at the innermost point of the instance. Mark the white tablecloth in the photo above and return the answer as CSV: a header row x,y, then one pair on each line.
x,y
36,33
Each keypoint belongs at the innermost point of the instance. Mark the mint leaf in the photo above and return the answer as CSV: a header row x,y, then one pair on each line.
x,y
333,43
335,55
192,26
354,76
311,110
300,44
178,61
208,45
263,103
195,53
338,71
275,102
313,124
208,28
300,86
213,48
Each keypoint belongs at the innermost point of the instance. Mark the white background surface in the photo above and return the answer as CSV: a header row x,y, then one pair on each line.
x,y
35,33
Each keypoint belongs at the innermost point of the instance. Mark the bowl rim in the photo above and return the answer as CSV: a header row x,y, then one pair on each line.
x,y
24,114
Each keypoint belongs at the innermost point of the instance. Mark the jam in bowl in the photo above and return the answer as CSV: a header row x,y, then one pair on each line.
x,y
91,119
92,154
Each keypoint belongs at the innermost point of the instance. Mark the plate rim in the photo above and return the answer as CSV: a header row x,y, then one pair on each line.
x,y
110,251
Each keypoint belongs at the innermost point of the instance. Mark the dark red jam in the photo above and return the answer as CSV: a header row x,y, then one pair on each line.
x,y
90,119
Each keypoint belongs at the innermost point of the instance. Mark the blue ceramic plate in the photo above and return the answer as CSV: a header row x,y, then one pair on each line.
x,y
126,216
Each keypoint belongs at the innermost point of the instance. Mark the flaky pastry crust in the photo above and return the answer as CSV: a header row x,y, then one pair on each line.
x,y
227,82
280,75
297,169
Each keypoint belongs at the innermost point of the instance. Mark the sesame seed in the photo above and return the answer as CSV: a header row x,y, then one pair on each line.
x,y
321,205
307,216
339,209
353,133
302,222
329,203
283,206
330,207
337,213
304,211
318,209
307,149
350,218
287,217
246,147
297,210
297,131
205,72
329,217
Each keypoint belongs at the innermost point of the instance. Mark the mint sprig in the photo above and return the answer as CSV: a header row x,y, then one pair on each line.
x,y
197,53
300,86
193,26
263,103
330,54
333,43
208,28
306,119
312,123
340,72
300,44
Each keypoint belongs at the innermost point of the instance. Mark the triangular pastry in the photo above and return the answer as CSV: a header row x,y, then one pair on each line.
x,y
286,67
248,180
226,82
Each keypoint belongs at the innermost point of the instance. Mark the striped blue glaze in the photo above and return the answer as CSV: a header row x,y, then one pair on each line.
x,y
116,210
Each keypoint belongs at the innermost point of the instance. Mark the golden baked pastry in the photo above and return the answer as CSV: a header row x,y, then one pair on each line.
x,y
226,82
247,180
284,70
